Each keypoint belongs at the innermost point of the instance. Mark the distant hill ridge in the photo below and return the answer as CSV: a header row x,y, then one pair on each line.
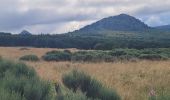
x,y
122,22
164,27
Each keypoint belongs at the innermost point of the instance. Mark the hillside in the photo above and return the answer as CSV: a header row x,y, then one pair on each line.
x,y
163,28
122,22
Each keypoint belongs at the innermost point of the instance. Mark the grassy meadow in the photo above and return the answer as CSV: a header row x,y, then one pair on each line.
x,y
132,80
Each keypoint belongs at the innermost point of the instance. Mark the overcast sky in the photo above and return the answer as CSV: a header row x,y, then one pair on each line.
x,y
59,16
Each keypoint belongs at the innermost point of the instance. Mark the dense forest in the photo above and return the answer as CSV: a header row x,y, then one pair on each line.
x,y
101,42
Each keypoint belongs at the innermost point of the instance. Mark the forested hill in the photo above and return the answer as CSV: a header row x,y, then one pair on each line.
x,y
122,31
122,22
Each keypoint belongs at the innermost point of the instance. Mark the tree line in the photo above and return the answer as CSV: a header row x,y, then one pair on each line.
x,y
81,42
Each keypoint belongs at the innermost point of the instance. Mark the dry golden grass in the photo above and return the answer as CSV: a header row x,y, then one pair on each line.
x,y
132,80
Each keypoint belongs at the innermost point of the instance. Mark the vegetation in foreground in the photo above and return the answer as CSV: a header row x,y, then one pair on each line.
x,y
108,56
18,82
132,80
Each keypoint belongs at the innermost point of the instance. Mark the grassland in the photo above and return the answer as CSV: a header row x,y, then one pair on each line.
x,y
132,80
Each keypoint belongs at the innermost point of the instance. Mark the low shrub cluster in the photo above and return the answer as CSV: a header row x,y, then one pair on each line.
x,y
81,56
18,82
79,81
57,56
29,58
108,56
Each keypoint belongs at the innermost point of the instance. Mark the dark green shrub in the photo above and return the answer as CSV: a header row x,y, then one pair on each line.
x,y
101,56
108,94
126,58
18,82
21,70
92,56
118,53
108,56
148,51
57,56
4,66
88,58
77,57
75,80
152,57
78,80
29,58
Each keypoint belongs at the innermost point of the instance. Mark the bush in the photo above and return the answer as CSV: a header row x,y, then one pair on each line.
x,y
108,56
152,57
18,82
80,81
77,57
29,58
117,53
83,56
57,56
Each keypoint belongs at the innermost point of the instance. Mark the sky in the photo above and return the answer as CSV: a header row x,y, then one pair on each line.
x,y
60,16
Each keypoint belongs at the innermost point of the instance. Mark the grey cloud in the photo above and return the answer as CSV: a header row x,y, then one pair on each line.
x,y
33,17
150,10
51,14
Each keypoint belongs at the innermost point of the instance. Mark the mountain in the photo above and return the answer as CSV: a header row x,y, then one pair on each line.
x,y
164,28
25,32
122,22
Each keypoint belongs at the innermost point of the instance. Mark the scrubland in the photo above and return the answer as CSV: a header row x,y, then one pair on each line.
x,y
131,80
